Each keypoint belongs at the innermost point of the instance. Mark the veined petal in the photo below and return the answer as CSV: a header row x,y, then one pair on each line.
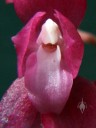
x,y
73,47
16,109
72,9
24,41
79,111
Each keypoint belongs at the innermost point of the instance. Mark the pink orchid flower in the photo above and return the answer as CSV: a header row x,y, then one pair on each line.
x,y
49,50
17,111
49,60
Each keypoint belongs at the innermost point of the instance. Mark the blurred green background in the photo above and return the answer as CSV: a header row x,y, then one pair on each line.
x,y
10,25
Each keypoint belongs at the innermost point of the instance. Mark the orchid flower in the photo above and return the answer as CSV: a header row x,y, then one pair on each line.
x,y
49,52
48,58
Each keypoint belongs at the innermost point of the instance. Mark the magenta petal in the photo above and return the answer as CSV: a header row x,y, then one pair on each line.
x,y
26,43
72,116
16,110
73,9
73,48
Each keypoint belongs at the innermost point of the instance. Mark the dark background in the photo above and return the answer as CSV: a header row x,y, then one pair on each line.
x,y
10,25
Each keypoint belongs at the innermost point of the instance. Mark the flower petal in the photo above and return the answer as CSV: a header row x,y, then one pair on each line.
x,y
73,48
16,110
72,9
49,85
24,42
72,115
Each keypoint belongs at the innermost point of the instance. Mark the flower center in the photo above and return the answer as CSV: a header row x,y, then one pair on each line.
x,y
50,36
49,47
